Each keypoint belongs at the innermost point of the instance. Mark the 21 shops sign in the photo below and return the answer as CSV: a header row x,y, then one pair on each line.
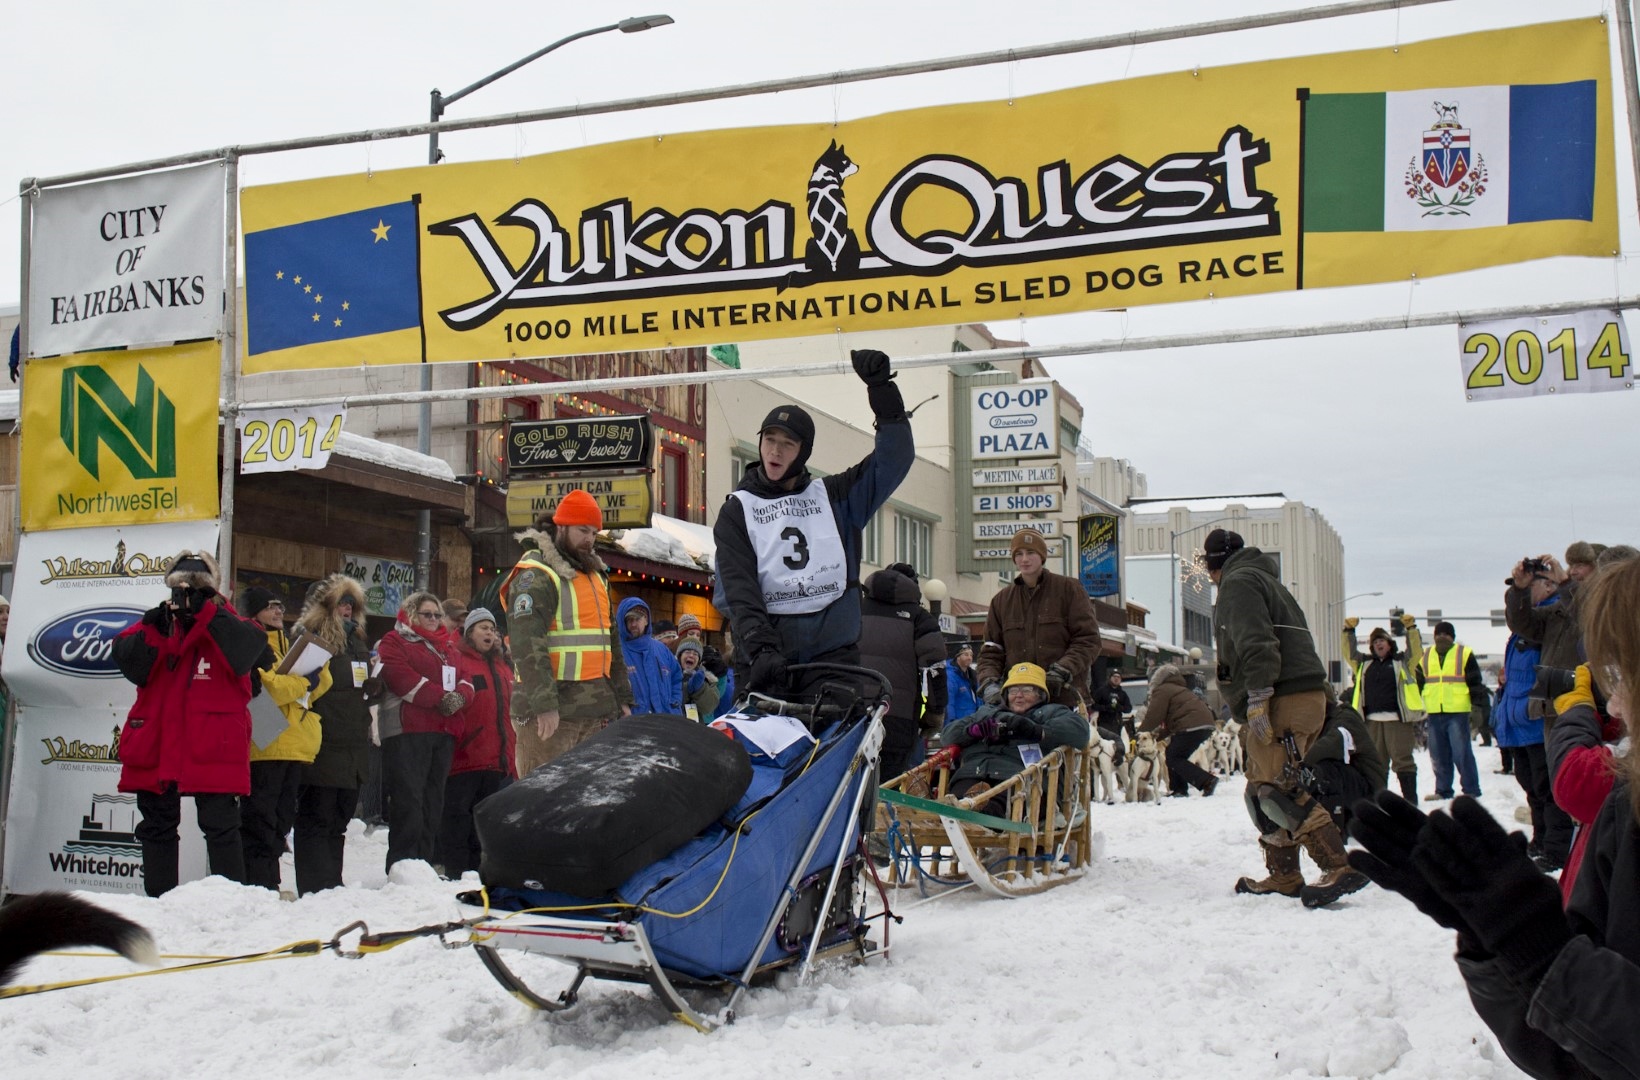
x,y
1185,186
120,438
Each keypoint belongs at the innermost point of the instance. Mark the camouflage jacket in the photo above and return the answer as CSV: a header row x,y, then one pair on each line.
x,y
532,597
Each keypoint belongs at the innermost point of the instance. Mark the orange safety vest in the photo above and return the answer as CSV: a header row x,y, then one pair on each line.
x,y
1446,690
578,630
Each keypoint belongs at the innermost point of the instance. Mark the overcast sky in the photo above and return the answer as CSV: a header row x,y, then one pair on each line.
x,y
1434,498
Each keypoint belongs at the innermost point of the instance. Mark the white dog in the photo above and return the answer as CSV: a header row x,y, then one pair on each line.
x,y
1104,767
1228,756
1147,772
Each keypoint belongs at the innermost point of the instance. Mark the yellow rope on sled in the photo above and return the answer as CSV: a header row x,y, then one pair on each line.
x,y
294,949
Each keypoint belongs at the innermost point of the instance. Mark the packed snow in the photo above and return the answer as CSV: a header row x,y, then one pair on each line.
x,y
1149,966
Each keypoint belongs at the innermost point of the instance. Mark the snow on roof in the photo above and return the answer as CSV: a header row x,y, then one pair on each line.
x,y
392,455
1208,505
671,541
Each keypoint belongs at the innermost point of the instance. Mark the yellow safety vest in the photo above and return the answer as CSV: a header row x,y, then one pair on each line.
x,y
1412,702
578,631
1446,690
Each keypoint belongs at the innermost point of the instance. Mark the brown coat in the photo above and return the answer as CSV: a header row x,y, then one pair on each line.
x,y
1050,624
1173,706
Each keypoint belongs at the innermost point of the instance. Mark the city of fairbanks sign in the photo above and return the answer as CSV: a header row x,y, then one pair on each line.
x,y
1167,188
120,438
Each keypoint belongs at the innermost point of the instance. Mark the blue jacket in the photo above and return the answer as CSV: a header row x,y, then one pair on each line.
x,y
657,680
726,694
1512,721
960,699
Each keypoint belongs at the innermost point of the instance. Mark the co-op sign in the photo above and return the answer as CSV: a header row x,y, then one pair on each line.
x,y
1015,421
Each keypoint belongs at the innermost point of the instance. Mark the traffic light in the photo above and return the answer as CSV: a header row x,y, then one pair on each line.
x,y
1395,626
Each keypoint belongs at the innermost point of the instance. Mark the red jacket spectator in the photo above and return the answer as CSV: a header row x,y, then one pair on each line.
x,y
1582,766
191,724
485,741
413,663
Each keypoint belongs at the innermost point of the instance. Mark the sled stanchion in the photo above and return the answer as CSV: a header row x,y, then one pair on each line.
x,y
866,774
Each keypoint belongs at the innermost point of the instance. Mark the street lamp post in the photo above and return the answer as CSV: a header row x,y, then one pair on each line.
x,y
424,418
1173,575
1347,599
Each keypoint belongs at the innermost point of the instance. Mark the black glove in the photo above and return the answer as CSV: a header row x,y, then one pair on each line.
x,y
1389,829
768,673
1057,678
991,692
1512,906
1024,728
160,618
871,366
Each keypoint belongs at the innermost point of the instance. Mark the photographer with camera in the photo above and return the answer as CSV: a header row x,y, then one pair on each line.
x,y
189,732
1551,622
992,738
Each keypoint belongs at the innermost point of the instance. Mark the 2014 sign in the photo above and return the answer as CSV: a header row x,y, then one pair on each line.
x,y
1583,353
282,440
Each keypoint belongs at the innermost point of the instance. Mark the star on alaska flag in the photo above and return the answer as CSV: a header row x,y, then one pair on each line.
x,y
334,291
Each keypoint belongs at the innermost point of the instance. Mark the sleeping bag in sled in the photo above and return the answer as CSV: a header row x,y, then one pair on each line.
x,y
586,821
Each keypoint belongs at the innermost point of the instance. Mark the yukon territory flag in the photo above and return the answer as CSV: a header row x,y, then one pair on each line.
x,y
1463,157
328,292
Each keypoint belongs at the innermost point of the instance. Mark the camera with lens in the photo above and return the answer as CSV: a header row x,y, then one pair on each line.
x,y
188,599
1534,565
1553,682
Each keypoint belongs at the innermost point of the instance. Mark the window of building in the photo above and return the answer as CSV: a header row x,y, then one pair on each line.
x,y
674,472
914,543
871,540
1197,626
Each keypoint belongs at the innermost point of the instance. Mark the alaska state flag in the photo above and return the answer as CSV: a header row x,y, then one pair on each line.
x,y
1449,158
335,283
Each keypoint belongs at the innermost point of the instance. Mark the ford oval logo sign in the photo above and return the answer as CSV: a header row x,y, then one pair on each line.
x,y
81,643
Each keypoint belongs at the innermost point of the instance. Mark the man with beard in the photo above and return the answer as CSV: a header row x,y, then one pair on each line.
x,y
561,627
788,543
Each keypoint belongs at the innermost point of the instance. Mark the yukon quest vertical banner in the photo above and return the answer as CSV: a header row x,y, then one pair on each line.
x,y
1430,158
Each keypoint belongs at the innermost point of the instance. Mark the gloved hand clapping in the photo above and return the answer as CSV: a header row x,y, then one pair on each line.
x,y
451,703
1258,714
872,366
1485,875
1388,829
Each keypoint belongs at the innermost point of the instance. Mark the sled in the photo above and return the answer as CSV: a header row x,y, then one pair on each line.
x,y
783,887
1045,839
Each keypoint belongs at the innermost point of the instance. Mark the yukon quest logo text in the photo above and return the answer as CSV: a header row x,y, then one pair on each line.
x,y
81,643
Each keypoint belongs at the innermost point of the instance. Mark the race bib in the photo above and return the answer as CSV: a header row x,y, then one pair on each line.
x,y
801,566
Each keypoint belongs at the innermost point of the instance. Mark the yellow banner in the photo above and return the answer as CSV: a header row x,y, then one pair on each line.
x,y
115,438
1430,158
625,500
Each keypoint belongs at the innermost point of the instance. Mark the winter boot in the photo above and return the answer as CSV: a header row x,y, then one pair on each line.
x,y
1283,879
159,866
1409,785
1338,878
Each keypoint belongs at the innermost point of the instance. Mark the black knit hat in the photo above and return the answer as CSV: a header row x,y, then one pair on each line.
x,y
794,422
256,598
1219,546
1444,627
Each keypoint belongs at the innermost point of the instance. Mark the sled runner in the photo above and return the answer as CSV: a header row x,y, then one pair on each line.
x,y
1043,840
778,882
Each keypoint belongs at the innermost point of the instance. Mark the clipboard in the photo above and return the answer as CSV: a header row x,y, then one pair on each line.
x,y
304,657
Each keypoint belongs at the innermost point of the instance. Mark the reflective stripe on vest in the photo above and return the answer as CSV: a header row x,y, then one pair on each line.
x,y
578,630
1446,689
1412,702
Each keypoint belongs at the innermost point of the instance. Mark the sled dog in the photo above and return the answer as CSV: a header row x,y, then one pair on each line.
x,y
31,925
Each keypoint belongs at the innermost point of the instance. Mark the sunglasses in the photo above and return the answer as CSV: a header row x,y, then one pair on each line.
x,y
429,614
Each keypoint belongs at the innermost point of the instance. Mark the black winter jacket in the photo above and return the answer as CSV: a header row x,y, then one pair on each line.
x,y
1579,1020
899,639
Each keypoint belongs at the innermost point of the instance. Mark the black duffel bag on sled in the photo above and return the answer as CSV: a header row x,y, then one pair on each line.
x,y
588,820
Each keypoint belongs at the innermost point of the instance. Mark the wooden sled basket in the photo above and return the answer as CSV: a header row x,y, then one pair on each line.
x,y
1044,839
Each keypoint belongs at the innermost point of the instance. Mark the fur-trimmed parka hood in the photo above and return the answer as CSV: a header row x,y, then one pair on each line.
x,y
556,557
186,572
321,619
1163,674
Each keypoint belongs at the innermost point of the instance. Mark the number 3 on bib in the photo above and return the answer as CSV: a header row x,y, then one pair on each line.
x,y
799,557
